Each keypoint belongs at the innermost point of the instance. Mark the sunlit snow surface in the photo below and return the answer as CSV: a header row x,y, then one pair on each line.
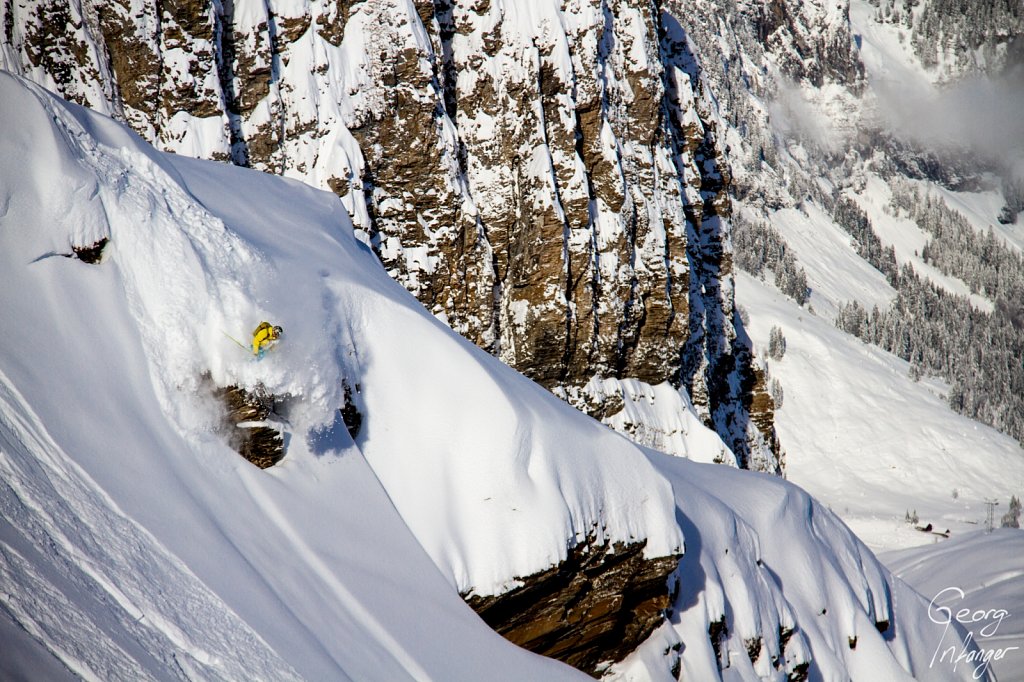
x,y
859,433
870,442
135,544
976,579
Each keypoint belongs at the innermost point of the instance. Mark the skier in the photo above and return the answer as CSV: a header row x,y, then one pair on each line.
x,y
265,337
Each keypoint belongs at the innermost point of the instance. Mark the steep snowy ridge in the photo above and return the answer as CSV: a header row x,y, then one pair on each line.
x,y
135,542
202,501
193,278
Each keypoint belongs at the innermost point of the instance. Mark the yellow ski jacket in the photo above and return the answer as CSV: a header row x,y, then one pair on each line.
x,y
262,337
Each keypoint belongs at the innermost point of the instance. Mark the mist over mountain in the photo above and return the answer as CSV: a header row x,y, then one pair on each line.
x,y
979,113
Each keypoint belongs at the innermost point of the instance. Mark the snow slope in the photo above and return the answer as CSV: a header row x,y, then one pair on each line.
x,y
803,562
870,442
135,544
858,433
981,210
908,240
113,468
981,572
835,272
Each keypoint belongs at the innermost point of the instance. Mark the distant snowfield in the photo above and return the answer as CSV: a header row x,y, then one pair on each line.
x,y
872,444
868,441
908,240
835,273
859,434
865,439
134,544
888,60
981,210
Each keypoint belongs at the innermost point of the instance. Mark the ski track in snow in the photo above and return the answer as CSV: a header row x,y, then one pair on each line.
x,y
68,632
109,592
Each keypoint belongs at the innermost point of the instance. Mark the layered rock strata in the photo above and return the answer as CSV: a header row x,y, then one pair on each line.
x,y
591,609
548,178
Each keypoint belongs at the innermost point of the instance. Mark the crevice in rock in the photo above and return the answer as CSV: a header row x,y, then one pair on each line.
x,y
8,22
717,361
448,71
225,43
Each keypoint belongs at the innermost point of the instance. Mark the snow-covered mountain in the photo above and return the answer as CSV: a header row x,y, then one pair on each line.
x,y
881,203
546,179
778,235
603,266
136,544
886,185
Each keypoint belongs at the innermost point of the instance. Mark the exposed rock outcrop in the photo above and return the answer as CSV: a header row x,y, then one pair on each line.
x,y
245,418
350,414
810,39
91,254
591,609
548,180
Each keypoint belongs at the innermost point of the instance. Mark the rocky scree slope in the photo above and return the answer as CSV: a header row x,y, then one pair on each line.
x,y
548,178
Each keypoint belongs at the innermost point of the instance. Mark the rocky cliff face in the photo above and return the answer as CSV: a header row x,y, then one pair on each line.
x,y
591,609
245,423
756,58
809,40
549,179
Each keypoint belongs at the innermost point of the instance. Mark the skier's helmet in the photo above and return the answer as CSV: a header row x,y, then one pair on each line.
x,y
278,332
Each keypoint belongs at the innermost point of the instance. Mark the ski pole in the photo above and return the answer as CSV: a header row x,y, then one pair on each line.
x,y
240,344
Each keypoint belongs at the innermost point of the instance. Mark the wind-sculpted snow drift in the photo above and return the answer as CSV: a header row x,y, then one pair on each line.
x,y
134,543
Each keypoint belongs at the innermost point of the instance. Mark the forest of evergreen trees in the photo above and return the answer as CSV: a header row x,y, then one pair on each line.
x,y
1013,191
959,29
981,260
758,249
961,34
849,216
980,354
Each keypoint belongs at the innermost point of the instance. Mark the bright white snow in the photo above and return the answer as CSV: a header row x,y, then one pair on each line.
x,y
135,544
977,580
869,441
